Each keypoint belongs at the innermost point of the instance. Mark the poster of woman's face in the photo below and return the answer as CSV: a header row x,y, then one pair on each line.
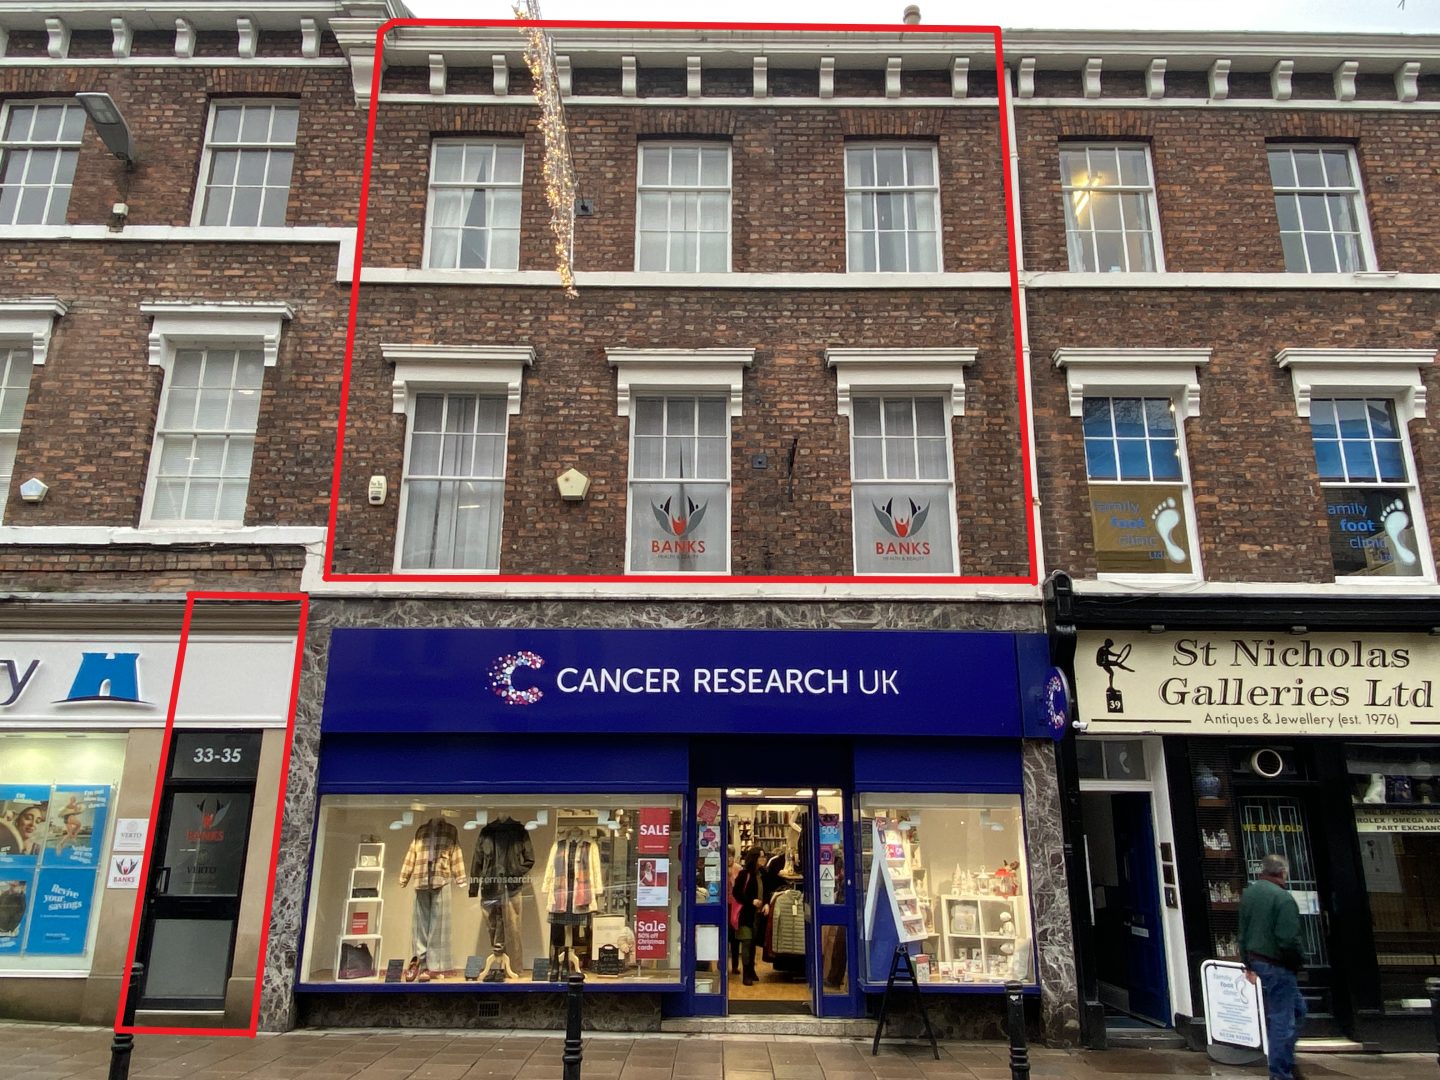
x,y
23,815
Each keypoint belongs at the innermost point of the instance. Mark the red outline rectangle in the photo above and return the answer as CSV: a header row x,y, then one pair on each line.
x,y
155,805
1023,409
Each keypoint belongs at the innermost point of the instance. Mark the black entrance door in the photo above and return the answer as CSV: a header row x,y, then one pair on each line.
x,y
197,868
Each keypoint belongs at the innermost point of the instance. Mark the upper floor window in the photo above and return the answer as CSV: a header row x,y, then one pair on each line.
x,y
39,146
16,365
683,220
206,437
454,487
1363,462
1139,494
249,153
901,473
1321,211
1110,212
473,222
892,208
680,485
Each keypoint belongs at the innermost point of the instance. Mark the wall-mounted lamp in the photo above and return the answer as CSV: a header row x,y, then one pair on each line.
x,y
110,125
34,490
573,485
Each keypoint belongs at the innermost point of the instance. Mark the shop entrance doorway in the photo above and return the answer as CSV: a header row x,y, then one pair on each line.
x,y
192,909
786,938
1126,905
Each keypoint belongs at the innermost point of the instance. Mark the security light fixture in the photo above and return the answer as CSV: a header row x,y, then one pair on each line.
x,y
110,125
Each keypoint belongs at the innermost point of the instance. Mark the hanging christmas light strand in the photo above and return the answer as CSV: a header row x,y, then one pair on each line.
x,y
557,168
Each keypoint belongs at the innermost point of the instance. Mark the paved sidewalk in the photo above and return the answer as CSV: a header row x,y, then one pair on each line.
x,y
52,1052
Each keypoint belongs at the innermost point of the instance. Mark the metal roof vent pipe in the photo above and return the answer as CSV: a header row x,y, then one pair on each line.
x,y
912,15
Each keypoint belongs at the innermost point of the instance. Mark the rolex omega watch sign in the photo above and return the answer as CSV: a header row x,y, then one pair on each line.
x,y
1258,683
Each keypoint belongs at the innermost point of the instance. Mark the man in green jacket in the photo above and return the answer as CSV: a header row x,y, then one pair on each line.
x,y
1270,946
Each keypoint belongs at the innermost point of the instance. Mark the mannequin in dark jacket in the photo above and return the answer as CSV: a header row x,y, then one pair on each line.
x,y
498,875
749,892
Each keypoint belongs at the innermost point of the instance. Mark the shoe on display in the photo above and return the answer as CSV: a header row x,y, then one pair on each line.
x,y
412,968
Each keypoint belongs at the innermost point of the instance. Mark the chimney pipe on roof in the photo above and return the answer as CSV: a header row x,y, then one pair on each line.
x,y
912,15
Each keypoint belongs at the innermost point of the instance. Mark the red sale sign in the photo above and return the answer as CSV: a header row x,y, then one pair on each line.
x,y
654,830
652,934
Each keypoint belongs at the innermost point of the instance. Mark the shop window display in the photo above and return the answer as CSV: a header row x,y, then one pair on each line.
x,y
948,872
494,889
56,797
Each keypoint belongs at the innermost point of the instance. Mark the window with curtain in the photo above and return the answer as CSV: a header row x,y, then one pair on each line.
x,y
1110,213
474,214
679,485
454,484
16,365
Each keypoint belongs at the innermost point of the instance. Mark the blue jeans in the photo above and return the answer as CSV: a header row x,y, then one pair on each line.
x,y
1284,1014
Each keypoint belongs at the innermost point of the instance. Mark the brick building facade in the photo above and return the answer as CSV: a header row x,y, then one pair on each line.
x,y
794,266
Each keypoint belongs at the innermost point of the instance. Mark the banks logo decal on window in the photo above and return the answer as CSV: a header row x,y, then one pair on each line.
x,y
692,514
502,678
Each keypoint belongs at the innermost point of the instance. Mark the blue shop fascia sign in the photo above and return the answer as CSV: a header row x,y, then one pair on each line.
x,y
836,682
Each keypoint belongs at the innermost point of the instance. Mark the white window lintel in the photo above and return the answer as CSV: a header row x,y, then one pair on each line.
x,y
1125,372
31,321
683,370
191,324
1390,373
483,367
907,371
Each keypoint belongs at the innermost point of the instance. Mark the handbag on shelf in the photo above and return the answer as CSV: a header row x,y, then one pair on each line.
x,y
364,892
356,962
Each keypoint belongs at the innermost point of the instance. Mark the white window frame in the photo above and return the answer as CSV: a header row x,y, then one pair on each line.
x,y
28,325
1142,373
202,184
1072,227
484,370
694,373
467,185
642,189
895,373
204,326
59,144
1370,373
1358,204
872,144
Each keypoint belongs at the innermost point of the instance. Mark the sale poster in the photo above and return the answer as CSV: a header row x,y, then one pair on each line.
x,y
652,935
654,883
14,906
60,912
654,831
23,812
77,825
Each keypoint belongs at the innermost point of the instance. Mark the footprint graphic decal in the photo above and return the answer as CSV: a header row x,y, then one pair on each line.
x,y
1394,520
1167,520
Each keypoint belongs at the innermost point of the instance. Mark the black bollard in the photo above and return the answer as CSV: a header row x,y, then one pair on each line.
x,y
571,1057
1432,987
1015,1023
122,1045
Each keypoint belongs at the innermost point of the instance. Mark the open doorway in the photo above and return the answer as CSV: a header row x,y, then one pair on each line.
x,y
768,841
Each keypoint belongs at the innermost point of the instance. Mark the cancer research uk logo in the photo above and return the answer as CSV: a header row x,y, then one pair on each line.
x,y
502,677
903,527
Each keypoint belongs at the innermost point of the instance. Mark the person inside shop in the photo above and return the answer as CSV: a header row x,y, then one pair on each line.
x,y
17,836
735,867
1270,947
749,892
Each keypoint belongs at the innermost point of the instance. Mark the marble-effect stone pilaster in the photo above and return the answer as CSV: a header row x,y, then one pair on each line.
x,y
277,1006
1049,896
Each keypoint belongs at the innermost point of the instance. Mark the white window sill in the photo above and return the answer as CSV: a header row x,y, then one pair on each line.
x,y
103,535
1369,279
1152,581
299,234
1421,587
632,279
